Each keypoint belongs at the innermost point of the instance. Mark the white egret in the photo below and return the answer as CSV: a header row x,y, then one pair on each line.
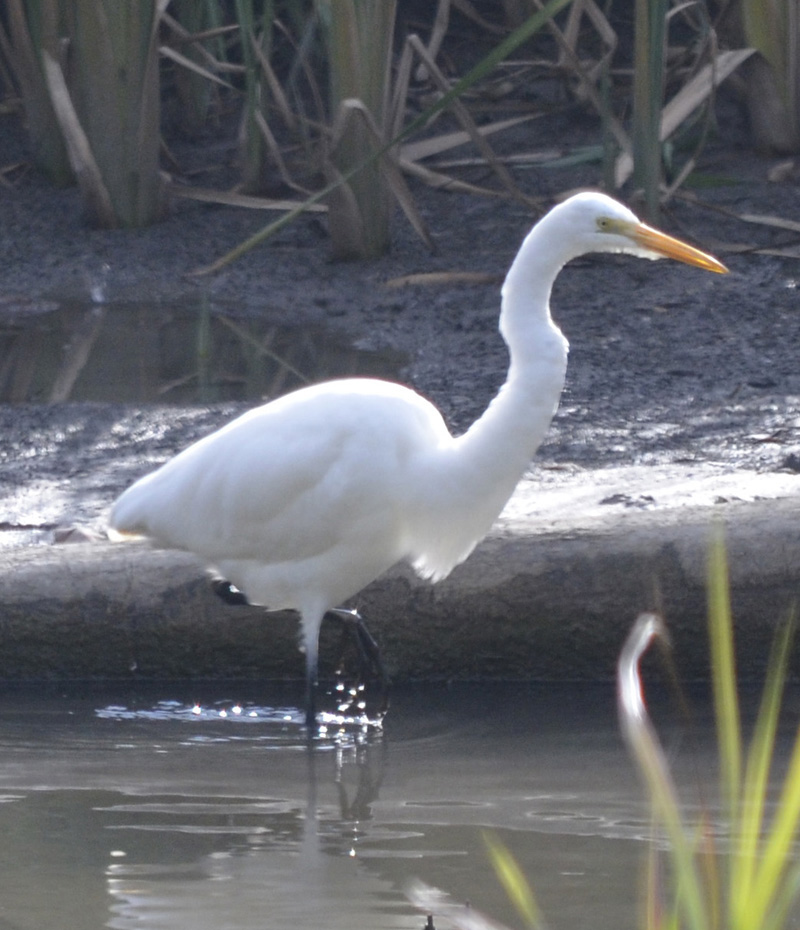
x,y
302,502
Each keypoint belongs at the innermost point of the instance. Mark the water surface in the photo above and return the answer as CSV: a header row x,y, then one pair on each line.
x,y
199,810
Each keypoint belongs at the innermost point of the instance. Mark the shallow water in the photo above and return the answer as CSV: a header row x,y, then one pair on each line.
x,y
190,351
171,810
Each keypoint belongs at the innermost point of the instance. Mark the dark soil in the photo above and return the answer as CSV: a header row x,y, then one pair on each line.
x,y
668,365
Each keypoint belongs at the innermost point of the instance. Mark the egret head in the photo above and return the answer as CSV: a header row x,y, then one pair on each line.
x,y
594,222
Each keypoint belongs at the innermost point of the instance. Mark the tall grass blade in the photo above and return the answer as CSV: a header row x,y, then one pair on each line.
x,y
612,127
652,914
31,29
166,52
464,117
692,95
513,880
114,86
773,89
252,142
648,85
644,746
785,899
776,856
197,72
96,198
360,34
756,781
723,673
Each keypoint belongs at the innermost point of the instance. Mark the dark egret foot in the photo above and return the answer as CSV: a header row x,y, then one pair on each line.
x,y
369,666
229,592
354,631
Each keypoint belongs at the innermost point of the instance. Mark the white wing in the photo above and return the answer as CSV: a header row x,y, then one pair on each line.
x,y
287,480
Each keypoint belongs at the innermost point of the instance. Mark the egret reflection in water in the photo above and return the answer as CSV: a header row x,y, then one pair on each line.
x,y
132,808
267,863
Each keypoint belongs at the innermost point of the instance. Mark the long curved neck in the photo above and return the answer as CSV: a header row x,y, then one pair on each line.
x,y
470,479
507,435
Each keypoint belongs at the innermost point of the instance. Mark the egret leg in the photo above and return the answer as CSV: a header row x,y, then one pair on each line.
x,y
232,595
368,650
311,692
310,625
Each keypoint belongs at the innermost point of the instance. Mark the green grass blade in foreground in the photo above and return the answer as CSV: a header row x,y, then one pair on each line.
x,y
723,674
756,781
785,898
755,884
776,865
529,28
646,750
513,880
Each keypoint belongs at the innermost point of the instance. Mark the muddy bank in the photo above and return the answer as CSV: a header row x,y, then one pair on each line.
x,y
681,404
547,599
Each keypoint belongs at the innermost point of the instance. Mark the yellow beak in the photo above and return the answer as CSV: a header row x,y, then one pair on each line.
x,y
660,242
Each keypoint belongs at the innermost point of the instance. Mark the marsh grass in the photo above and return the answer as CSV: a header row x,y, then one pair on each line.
x,y
743,873
88,77
532,25
749,879
773,27
360,37
648,93
326,94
